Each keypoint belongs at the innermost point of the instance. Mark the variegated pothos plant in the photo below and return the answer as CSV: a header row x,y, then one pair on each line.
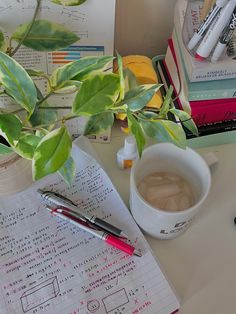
x,y
33,129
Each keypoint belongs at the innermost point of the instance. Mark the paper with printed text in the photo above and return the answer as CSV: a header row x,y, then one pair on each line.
x,y
93,24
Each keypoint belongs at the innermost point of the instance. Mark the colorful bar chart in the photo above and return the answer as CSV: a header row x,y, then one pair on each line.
x,y
72,53
62,57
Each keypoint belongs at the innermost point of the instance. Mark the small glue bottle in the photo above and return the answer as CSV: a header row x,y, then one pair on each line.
x,y
127,154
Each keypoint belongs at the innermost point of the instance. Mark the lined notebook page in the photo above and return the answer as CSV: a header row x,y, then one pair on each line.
x,y
48,265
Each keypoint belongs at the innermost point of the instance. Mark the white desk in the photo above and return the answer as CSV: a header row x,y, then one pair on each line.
x,y
201,263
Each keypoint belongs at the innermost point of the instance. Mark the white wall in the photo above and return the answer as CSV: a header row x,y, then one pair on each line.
x,y
143,26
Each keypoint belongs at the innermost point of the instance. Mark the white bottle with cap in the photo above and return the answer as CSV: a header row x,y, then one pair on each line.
x,y
127,154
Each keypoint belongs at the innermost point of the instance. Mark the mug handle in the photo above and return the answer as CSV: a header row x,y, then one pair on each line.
x,y
211,159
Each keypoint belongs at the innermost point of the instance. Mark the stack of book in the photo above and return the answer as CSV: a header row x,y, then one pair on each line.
x,y
206,90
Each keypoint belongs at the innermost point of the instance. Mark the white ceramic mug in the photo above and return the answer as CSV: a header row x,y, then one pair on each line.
x,y
166,157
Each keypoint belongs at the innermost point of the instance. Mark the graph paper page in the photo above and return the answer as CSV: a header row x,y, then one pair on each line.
x,y
48,265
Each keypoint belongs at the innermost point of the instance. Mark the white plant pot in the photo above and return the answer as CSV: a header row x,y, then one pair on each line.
x,y
15,174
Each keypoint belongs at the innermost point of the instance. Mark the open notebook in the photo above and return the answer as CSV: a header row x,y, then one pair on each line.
x,y
51,266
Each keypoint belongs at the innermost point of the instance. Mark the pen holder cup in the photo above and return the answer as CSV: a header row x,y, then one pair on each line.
x,y
207,29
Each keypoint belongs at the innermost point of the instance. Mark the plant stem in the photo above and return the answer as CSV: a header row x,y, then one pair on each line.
x,y
55,107
18,110
147,119
39,127
69,117
44,98
28,31
48,108
122,107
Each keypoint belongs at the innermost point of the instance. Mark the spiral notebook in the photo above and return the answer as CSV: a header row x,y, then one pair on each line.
x,y
51,266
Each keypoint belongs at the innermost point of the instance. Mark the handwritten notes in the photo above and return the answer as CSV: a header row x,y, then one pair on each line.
x,y
51,266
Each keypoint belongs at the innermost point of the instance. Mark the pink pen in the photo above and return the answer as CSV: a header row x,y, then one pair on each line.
x,y
108,238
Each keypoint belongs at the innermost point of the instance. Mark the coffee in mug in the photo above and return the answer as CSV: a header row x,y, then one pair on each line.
x,y
167,191
165,160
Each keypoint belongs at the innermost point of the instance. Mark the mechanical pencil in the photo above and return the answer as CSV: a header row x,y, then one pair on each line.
x,y
60,200
108,238
212,36
224,38
206,23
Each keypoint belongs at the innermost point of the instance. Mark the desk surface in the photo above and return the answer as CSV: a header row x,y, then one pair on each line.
x,y
201,262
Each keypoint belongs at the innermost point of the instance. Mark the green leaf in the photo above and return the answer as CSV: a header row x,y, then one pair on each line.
x,y
137,98
130,79
11,127
17,82
2,41
121,75
186,119
79,70
68,2
97,94
68,87
41,133
37,73
45,36
4,150
26,145
165,131
149,115
51,153
98,123
68,171
43,116
167,101
137,131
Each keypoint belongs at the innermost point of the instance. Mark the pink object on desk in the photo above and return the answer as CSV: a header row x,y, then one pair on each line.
x,y
99,233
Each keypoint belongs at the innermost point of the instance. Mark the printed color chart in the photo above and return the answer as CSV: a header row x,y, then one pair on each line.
x,y
72,53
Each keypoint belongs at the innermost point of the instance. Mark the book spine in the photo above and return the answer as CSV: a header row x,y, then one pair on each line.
x,y
216,94
200,71
201,92
216,127
202,112
213,113
174,79
212,128
175,104
205,129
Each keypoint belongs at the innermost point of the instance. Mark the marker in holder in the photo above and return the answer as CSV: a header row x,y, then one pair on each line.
x,y
215,30
204,35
